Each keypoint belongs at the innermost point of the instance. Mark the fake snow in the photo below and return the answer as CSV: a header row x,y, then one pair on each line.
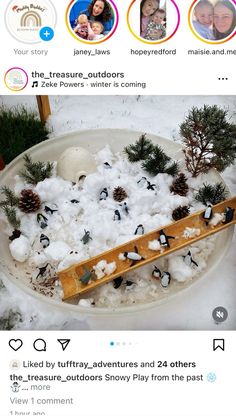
x,y
190,233
216,219
103,268
154,245
80,210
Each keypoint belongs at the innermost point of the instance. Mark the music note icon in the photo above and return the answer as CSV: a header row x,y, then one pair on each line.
x,y
35,84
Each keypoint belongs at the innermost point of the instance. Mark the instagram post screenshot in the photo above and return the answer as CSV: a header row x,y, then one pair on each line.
x,y
118,209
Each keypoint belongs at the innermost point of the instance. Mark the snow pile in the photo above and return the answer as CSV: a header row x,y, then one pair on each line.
x,y
77,210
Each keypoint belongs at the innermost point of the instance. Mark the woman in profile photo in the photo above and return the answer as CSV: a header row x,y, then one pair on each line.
x,y
224,19
100,11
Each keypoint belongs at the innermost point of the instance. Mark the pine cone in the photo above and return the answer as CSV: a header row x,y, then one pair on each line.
x,y
180,212
119,194
179,185
29,201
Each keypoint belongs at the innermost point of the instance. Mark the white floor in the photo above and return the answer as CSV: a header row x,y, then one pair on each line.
x,y
158,115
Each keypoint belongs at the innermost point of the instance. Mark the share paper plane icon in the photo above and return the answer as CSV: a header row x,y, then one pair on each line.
x,y
64,343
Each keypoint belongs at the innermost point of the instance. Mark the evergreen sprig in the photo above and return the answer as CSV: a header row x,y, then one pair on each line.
x,y
11,199
140,150
212,194
159,162
20,129
209,139
10,213
35,172
10,319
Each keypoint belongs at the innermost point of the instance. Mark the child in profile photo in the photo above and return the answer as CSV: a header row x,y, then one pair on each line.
x,y
147,8
97,28
156,29
83,28
203,19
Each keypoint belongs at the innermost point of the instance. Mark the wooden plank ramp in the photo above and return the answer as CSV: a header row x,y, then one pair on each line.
x,y
71,277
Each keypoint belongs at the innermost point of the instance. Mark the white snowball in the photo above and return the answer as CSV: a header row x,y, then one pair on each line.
x,y
57,251
216,219
154,245
189,232
20,248
110,268
86,302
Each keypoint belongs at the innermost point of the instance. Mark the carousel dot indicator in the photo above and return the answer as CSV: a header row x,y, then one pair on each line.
x,y
112,343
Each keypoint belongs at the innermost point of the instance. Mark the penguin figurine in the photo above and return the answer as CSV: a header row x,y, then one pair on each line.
x,y
156,273
188,259
86,277
165,279
103,194
151,186
44,240
42,220
106,165
139,230
125,208
164,239
208,213
228,215
143,181
49,210
86,237
117,216
129,285
117,282
74,201
133,256
42,271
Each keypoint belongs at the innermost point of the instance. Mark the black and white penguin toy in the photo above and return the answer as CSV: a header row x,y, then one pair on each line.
x,y
165,279
188,259
125,208
156,273
228,215
49,210
164,239
208,213
103,194
106,165
151,186
42,220
44,240
142,182
139,230
133,256
117,216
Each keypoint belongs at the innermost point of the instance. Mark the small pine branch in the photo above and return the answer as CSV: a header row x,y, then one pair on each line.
x,y
10,213
159,162
11,198
212,194
140,150
35,172
9,320
209,139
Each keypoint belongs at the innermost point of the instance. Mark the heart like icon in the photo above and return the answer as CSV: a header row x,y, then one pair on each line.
x,y
15,344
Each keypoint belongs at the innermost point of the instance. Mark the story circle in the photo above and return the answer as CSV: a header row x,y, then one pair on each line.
x,y
16,79
161,41
197,35
92,42
25,18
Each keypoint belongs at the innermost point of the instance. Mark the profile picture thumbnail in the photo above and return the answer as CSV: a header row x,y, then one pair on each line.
x,y
214,20
153,19
92,20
